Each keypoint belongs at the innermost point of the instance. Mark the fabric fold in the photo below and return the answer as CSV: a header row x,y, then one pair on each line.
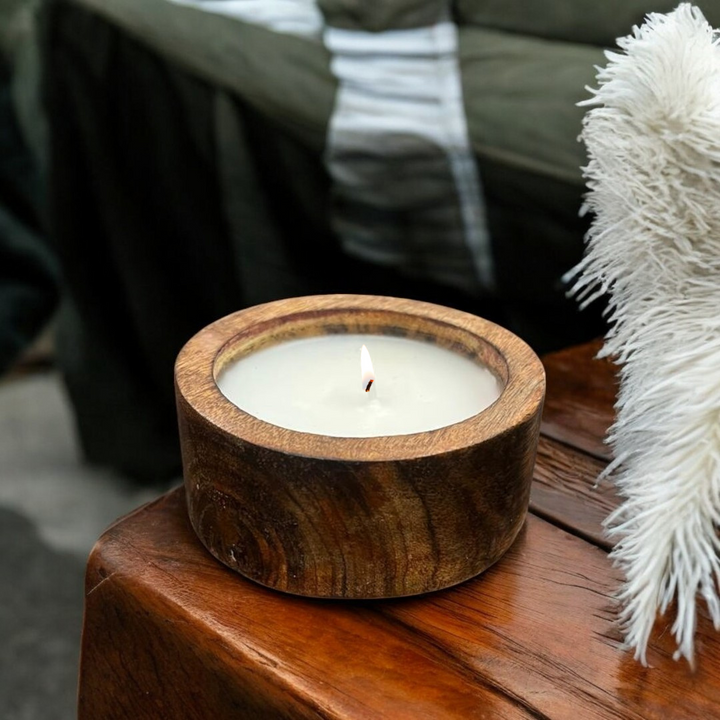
x,y
407,191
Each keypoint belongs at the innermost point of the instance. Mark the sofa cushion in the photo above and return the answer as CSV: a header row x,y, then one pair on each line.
x,y
581,21
286,77
521,96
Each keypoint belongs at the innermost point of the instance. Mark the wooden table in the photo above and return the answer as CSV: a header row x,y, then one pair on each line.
x,y
170,633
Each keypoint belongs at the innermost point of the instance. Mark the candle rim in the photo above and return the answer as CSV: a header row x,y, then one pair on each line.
x,y
238,346
210,350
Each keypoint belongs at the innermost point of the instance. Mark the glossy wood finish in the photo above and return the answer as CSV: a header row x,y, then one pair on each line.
x,y
565,493
357,518
580,398
170,633
188,638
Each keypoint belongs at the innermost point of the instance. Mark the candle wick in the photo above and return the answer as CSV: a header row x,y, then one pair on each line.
x,y
369,385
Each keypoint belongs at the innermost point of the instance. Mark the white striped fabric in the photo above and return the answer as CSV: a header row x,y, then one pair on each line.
x,y
406,187
406,184
294,17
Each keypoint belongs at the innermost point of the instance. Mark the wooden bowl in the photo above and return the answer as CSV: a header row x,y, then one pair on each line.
x,y
376,517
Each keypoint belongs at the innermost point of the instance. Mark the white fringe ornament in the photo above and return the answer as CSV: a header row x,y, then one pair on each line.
x,y
654,249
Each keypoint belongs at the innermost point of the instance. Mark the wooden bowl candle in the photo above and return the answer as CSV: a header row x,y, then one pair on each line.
x,y
420,504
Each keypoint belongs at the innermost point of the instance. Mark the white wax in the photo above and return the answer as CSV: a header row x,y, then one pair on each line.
x,y
314,385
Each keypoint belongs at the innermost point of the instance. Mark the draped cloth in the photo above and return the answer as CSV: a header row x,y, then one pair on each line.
x,y
406,188
201,163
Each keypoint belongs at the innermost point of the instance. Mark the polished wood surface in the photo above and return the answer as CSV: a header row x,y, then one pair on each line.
x,y
580,399
171,633
358,517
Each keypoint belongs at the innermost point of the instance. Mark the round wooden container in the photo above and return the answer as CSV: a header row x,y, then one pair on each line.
x,y
376,517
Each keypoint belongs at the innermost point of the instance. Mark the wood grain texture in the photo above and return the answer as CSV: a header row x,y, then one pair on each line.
x,y
357,517
580,398
565,491
540,625
170,633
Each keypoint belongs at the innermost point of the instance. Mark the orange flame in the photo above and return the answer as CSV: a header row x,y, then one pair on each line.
x,y
366,369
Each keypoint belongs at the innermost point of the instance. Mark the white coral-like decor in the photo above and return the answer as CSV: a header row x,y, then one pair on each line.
x,y
654,249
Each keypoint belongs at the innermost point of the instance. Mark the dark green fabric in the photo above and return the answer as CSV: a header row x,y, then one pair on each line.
x,y
521,96
275,195
28,287
138,222
577,21
536,232
176,200
285,77
379,15
28,270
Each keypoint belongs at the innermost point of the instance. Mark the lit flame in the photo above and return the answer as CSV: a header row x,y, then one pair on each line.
x,y
366,369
